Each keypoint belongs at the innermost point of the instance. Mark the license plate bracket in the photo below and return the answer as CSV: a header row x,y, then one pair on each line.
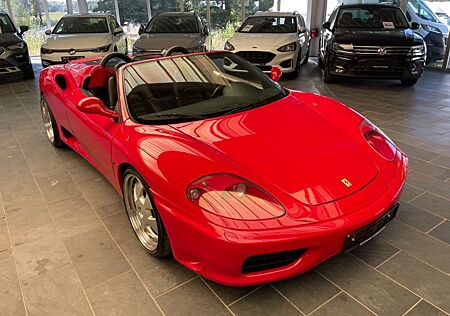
x,y
363,235
66,59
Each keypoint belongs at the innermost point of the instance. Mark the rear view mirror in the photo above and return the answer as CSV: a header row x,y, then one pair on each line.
x,y
118,30
415,25
141,29
275,73
48,32
327,26
93,105
23,29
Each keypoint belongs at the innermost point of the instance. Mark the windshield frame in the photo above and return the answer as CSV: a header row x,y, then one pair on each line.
x,y
123,100
372,7
82,17
197,28
294,17
14,29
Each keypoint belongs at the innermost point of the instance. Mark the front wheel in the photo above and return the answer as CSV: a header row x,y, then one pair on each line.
x,y
328,77
305,61
409,82
143,215
50,126
28,72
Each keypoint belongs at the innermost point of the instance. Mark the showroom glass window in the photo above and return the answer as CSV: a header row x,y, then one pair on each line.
x,y
5,24
76,25
173,24
371,18
269,25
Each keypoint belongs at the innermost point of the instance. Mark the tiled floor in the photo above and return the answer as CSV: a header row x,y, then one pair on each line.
x,y
66,246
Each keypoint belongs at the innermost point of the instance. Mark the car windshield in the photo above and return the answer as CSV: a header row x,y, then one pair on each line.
x,y
172,24
5,24
269,24
371,17
188,88
75,25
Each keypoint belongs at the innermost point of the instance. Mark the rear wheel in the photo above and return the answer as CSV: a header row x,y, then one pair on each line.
x,y
409,82
305,61
143,215
50,126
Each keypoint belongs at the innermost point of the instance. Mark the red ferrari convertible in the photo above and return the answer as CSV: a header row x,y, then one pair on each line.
x,y
242,180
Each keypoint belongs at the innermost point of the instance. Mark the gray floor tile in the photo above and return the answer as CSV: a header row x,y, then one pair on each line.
x,y
428,168
192,298
410,192
442,232
57,186
307,291
419,245
425,309
119,227
58,292
342,305
377,292
413,151
433,203
429,283
5,254
123,295
10,296
430,184
101,195
5,243
158,274
442,161
229,294
375,252
40,256
95,256
264,301
417,217
73,216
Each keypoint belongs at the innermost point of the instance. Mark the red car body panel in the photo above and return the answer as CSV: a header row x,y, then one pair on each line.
x,y
298,149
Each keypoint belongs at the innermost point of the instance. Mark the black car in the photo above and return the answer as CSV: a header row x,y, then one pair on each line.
x,y
14,57
371,41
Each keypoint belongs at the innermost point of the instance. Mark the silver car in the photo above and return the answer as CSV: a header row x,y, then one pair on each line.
x,y
170,29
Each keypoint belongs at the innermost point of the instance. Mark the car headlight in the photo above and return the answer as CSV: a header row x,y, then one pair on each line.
x,y
338,46
430,28
230,196
378,140
46,51
228,46
417,51
19,45
288,48
102,49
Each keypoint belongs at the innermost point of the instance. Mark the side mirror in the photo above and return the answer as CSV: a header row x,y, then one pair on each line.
x,y
327,26
23,29
205,30
275,73
118,30
301,30
93,105
415,25
141,29
48,32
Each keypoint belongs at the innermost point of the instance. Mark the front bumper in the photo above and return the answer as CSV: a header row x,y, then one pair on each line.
x,y
56,58
219,254
265,59
14,62
436,44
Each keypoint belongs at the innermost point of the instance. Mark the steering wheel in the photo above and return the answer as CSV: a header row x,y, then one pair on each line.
x,y
217,91
110,56
175,49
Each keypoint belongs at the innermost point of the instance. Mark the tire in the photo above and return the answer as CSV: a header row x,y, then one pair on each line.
x,y
140,207
306,60
409,82
320,63
328,77
50,126
28,73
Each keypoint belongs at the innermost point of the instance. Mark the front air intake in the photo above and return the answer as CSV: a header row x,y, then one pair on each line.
x,y
271,260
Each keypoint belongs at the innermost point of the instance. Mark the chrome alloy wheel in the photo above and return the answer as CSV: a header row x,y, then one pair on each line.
x,y
140,211
47,119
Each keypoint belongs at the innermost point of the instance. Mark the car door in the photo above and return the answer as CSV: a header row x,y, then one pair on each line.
x,y
303,37
119,39
326,36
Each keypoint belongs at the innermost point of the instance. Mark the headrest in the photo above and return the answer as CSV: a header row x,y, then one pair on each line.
x,y
98,78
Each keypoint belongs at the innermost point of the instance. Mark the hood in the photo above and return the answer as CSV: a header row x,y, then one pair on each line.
x,y
167,40
261,40
397,37
7,39
292,146
78,41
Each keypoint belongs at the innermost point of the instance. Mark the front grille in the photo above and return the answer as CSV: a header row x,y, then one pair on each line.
x,y
4,63
271,260
256,57
375,50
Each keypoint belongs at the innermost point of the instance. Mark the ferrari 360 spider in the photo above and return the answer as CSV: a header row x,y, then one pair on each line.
x,y
243,181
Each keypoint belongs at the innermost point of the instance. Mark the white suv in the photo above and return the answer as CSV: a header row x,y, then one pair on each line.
x,y
269,39
82,35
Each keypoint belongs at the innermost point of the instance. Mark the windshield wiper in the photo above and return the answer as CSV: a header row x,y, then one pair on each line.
x,y
171,116
241,108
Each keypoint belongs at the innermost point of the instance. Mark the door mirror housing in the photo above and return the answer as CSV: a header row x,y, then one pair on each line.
x,y
48,32
23,28
415,25
327,26
141,29
93,105
118,30
275,73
